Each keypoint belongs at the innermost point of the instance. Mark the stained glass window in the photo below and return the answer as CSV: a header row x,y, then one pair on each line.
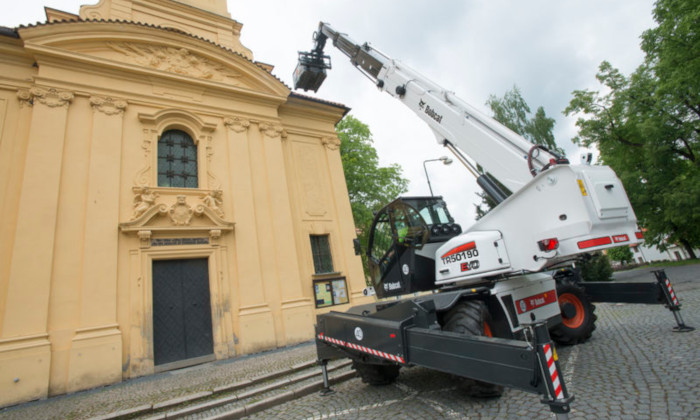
x,y
177,160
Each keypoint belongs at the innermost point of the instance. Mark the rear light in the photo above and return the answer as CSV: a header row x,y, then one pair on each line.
x,y
548,244
590,243
620,238
639,235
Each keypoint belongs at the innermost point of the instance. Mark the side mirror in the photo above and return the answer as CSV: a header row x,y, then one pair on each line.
x,y
357,246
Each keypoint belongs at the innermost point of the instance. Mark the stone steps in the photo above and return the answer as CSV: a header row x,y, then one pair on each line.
x,y
241,398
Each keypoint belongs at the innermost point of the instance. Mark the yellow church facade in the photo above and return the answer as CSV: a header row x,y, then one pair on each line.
x,y
165,200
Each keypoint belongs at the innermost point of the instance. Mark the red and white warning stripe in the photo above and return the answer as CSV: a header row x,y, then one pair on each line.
x,y
671,292
553,373
367,350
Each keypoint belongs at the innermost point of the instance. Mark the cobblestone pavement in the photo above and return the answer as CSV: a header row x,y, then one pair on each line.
x,y
634,367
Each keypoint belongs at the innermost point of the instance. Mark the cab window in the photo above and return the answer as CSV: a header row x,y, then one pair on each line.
x,y
382,239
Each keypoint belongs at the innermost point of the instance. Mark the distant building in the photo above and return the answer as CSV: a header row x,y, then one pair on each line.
x,y
164,199
644,253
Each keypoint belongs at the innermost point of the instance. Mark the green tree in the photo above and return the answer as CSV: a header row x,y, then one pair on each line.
x,y
621,254
512,111
596,268
370,186
647,125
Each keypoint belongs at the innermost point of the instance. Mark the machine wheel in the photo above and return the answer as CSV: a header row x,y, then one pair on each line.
x,y
577,313
472,318
376,375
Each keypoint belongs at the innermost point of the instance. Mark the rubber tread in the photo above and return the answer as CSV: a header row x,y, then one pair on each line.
x,y
468,318
376,375
564,335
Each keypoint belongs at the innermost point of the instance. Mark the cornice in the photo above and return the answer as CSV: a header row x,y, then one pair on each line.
x,y
305,105
46,32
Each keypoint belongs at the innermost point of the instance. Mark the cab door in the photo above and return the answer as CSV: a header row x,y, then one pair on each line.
x,y
397,232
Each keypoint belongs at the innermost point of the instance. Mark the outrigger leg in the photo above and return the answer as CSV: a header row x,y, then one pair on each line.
x,y
672,301
558,399
326,390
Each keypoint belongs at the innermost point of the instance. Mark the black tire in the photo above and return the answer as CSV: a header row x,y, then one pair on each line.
x,y
470,318
376,375
578,316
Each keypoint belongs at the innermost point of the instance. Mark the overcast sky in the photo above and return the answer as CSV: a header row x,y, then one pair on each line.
x,y
548,48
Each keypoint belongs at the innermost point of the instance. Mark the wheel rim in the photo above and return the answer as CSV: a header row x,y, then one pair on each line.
x,y
579,315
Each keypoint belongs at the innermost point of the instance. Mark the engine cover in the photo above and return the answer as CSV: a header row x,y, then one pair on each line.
x,y
471,256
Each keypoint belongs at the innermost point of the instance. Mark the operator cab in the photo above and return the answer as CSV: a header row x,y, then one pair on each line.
x,y
402,244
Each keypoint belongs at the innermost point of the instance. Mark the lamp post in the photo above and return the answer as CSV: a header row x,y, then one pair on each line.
x,y
445,161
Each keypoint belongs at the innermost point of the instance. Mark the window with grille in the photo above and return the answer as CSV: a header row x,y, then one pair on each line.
x,y
321,251
177,160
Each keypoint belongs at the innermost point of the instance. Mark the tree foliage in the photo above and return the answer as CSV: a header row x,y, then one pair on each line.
x,y
621,254
596,268
370,186
647,125
512,111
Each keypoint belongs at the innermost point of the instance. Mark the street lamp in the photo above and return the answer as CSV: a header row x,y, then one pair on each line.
x,y
445,161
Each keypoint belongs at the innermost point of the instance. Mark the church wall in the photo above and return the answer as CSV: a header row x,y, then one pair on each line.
x,y
83,219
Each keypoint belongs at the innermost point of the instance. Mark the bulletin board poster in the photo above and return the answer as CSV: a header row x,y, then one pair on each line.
x,y
329,292
324,294
340,292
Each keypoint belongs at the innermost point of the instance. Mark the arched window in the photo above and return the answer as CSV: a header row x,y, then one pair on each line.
x,y
177,160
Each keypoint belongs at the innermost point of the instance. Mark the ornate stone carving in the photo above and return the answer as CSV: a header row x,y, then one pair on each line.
x,y
143,176
237,124
214,202
214,236
145,238
25,98
181,212
88,12
108,106
181,216
213,180
52,97
272,130
144,200
331,143
175,60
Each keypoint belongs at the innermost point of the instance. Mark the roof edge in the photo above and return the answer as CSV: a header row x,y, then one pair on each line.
x,y
345,108
9,32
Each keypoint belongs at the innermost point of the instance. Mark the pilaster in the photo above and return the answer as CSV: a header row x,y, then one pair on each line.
x,y
25,352
296,310
95,357
355,274
255,319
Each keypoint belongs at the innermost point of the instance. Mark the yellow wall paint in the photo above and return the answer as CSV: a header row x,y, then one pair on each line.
x,y
82,106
